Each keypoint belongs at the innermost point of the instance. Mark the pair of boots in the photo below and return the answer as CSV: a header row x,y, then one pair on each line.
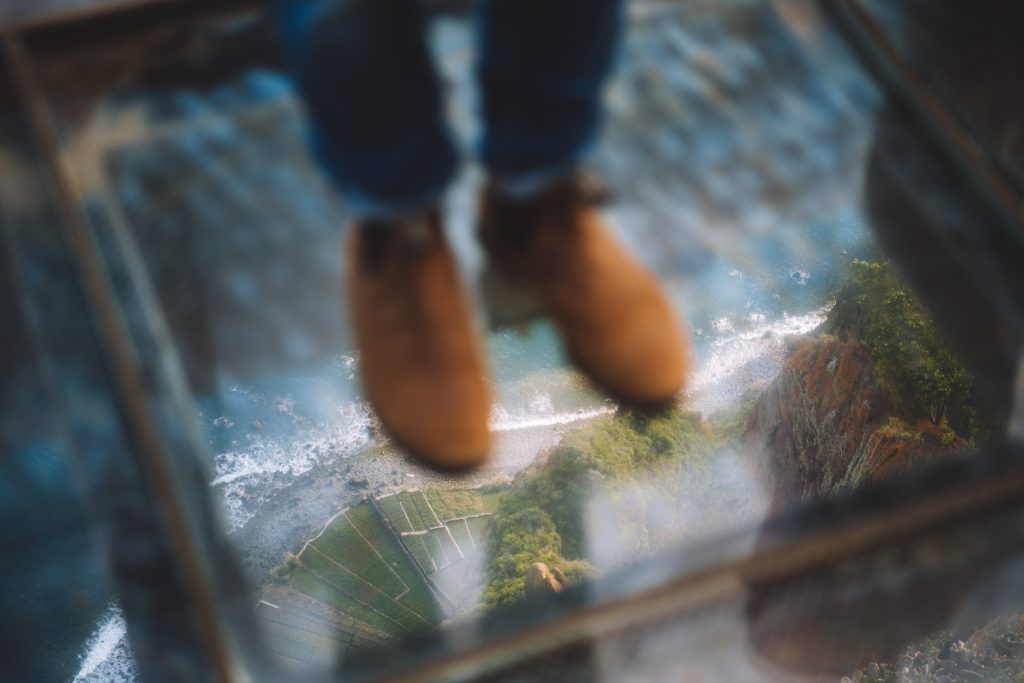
x,y
422,364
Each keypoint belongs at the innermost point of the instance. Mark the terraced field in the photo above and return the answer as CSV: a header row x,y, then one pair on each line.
x,y
445,531
393,510
301,630
356,566
383,569
455,503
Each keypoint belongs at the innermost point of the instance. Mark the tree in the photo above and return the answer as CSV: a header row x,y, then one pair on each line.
x,y
912,359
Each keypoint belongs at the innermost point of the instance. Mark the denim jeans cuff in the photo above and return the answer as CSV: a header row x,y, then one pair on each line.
x,y
531,183
365,206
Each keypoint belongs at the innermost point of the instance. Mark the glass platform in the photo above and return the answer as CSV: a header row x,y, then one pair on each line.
x,y
194,488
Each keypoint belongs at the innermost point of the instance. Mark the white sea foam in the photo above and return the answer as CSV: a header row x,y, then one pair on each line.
x,y
249,475
541,413
739,360
106,656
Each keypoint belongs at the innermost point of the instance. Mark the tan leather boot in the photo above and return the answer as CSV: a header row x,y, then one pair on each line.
x,y
421,362
616,322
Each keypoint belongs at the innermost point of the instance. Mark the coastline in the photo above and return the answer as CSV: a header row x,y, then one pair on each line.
x,y
297,511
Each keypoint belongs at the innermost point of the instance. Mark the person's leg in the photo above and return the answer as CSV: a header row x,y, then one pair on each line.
x,y
377,119
542,70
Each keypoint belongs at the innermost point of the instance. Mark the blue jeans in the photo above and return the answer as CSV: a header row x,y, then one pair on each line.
x,y
378,124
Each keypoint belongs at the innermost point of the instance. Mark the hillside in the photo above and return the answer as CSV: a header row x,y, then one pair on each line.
x,y
598,480
873,393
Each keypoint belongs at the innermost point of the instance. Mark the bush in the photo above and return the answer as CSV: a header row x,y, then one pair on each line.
x,y
913,360
541,518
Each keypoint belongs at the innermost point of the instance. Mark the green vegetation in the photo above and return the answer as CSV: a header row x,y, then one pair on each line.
x,y
900,427
351,591
304,631
418,548
541,518
392,509
281,573
372,526
447,553
912,359
356,566
728,427
423,512
436,551
460,532
455,503
340,545
479,527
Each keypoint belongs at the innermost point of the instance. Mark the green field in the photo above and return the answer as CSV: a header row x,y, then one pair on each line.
x,y
418,549
407,511
356,566
460,531
478,528
369,522
419,510
455,503
382,569
392,509
303,637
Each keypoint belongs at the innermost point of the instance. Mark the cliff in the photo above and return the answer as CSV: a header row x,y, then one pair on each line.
x,y
872,393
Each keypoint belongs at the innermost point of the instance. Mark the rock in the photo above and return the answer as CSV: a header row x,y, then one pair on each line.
x,y
541,580
986,638
826,425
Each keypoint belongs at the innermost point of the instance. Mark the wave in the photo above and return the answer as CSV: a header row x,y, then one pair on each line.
x,y
502,421
106,656
248,476
740,360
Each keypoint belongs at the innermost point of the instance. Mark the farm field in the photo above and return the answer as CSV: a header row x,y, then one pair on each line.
x,y
445,531
386,568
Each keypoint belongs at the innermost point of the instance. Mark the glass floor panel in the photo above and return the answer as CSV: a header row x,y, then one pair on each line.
x,y
850,288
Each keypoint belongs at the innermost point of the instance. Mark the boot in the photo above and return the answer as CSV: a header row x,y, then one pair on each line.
x,y
617,324
421,363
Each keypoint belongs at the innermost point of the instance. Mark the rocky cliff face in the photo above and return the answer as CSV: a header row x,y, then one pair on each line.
x,y
873,393
827,424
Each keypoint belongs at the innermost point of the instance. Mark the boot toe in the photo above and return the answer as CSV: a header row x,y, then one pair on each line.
x,y
445,428
643,372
